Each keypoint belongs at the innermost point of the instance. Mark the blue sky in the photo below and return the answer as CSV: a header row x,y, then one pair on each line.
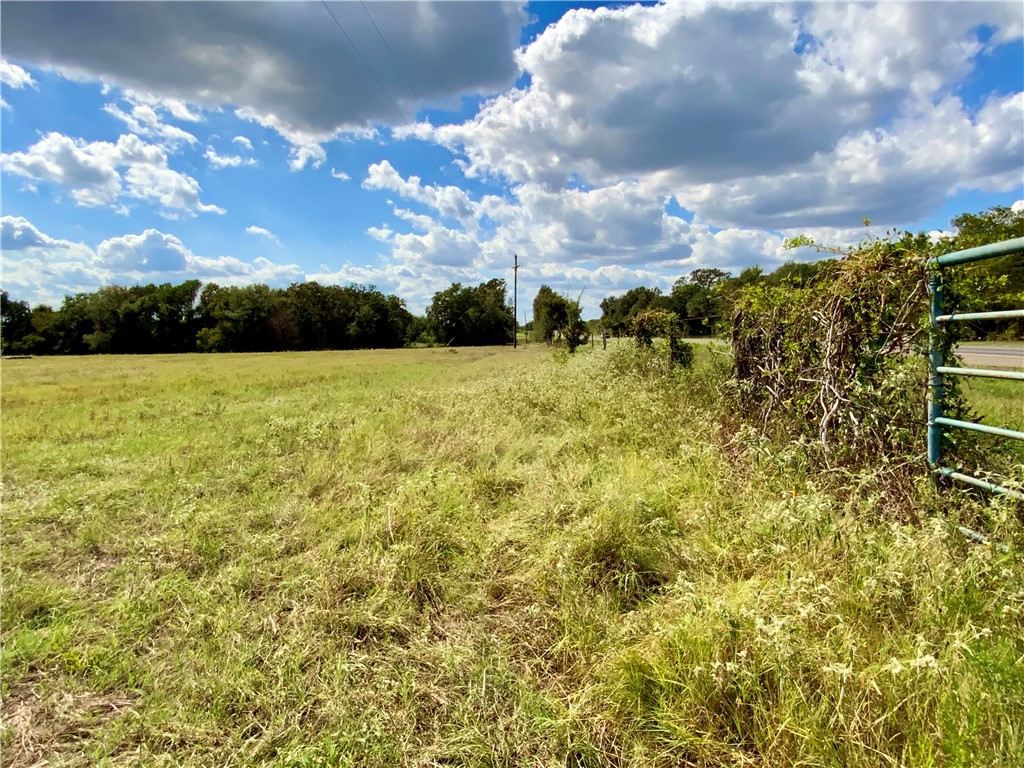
x,y
608,145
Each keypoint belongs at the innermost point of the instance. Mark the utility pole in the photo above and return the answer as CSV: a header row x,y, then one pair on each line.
x,y
515,302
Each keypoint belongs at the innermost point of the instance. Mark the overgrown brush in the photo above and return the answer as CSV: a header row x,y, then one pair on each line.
x,y
838,363
656,349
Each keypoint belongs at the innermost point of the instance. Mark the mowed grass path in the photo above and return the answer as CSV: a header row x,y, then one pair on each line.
x,y
475,557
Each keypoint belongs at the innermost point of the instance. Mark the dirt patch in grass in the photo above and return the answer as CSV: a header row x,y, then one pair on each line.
x,y
38,731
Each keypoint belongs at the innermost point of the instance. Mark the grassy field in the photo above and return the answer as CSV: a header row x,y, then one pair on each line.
x,y
473,557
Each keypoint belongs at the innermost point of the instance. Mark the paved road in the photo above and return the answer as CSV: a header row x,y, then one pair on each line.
x,y
983,356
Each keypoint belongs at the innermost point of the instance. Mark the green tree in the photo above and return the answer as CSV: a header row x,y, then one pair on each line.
x,y
797,273
42,340
993,284
175,315
617,312
709,277
575,330
463,316
992,226
253,318
550,313
71,324
15,323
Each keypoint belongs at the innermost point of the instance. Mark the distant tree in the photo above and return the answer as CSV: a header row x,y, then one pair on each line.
x,y
175,314
71,324
320,315
15,323
463,316
253,318
793,273
750,275
617,312
379,322
420,331
447,312
42,339
992,226
141,318
575,330
708,277
995,284
550,313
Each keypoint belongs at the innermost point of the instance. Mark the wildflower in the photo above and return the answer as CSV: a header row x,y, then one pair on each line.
x,y
843,670
923,661
895,666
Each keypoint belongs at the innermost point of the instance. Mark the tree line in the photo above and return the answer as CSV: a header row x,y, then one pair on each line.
x,y
189,317
703,301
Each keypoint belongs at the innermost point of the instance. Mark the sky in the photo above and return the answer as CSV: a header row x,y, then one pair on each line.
x,y
409,145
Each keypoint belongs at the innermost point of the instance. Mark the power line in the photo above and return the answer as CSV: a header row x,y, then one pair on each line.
x,y
385,90
401,72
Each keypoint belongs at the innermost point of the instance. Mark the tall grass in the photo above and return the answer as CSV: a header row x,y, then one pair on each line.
x,y
478,557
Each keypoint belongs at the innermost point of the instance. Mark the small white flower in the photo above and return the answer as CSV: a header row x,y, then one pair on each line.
x,y
843,670
923,661
895,666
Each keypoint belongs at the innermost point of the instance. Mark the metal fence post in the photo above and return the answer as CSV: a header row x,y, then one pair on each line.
x,y
935,361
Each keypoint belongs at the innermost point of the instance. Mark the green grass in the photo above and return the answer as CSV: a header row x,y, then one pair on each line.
x,y
471,557
999,403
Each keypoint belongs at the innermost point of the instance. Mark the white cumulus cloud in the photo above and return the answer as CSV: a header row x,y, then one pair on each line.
x,y
101,173
144,119
14,76
824,114
41,268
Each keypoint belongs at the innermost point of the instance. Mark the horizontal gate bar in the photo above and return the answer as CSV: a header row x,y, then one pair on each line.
x,y
998,431
977,483
1001,314
980,253
982,372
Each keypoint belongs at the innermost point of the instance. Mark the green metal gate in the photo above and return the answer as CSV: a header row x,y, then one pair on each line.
x,y
937,423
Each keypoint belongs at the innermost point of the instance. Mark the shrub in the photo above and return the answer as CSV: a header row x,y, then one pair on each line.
x,y
658,348
838,362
